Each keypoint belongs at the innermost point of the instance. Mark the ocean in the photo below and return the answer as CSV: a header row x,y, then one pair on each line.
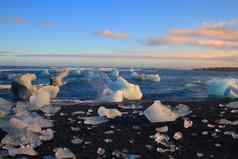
x,y
84,83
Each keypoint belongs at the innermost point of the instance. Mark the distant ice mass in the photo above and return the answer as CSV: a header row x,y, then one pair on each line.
x,y
117,89
146,77
225,88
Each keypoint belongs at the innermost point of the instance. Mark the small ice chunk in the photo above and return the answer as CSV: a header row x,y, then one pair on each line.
x,y
5,107
158,112
17,123
232,133
163,129
64,153
161,139
47,135
232,105
178,135
187,123
94,120
109,113
24,150
100,151
146,77
76,141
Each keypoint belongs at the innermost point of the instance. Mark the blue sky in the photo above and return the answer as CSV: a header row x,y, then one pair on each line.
x,y
113,27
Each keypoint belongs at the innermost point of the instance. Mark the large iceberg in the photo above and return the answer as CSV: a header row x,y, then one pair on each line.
x,y
227,88
146,77
38,95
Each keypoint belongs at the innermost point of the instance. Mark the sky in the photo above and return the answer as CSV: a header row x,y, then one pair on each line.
x,y
187,33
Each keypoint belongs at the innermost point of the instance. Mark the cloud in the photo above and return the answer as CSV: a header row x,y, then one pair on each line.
x,y
47,24
230,22
221,37
112,35
13,20
21,21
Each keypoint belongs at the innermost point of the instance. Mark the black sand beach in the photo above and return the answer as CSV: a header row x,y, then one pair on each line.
x,y
130,136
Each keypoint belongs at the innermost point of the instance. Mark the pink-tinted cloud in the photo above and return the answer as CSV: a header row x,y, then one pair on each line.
x,y
21,21
14,20
47,24
218,36
112,35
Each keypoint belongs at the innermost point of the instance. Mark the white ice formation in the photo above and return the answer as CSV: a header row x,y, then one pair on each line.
x,y
158,112
146,77
109,113
227,88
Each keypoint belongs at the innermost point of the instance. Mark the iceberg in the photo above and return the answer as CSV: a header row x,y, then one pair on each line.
x,y
146,77
158,112
226,88
116,88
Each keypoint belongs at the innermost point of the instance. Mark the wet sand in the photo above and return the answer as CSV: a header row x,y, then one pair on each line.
x,y
130,136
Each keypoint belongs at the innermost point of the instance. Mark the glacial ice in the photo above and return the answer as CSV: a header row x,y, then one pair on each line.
x,y
24,128
109,113
223,88
158,112
117,89
146,77
5,107
40,99
94,120
232,105
64,153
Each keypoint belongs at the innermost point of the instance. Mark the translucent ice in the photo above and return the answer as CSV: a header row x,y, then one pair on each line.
x,y
223,88
233,105
94,120
5,107
109,113
158,112
64,153
148,77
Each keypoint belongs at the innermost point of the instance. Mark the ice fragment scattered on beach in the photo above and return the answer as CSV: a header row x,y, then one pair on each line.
x,y
94,120
232,133
109,113
5,107
24,150
187,123
158,112
163,129
232,105
178,135
64,153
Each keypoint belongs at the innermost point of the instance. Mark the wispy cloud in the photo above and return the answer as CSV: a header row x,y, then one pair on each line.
x,y
112,35
47,24
215,36
14,20
21,21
